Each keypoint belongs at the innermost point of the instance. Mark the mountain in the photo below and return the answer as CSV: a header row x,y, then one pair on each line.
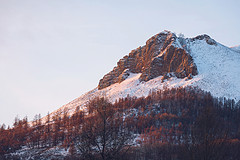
x,y
169,61
163,109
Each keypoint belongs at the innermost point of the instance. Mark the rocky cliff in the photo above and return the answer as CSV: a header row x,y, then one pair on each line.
x,y
163,55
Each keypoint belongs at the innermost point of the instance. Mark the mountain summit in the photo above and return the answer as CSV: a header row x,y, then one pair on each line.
x,y
163,55
170,61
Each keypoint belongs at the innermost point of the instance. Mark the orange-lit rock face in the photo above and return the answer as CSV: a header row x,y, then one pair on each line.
x,y
161,55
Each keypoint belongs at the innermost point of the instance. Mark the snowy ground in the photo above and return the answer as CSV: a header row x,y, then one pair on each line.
x,y
218,67
236,48
39,153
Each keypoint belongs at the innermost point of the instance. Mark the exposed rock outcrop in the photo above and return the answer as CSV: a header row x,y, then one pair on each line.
x,y
162,54
205,37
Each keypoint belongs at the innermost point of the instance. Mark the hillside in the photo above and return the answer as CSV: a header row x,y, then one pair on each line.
x,y
178,124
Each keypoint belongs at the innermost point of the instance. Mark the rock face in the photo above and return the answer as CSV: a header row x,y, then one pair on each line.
x,y
207,38
163,55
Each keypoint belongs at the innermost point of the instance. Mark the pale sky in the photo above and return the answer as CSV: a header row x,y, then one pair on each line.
x,y
52,51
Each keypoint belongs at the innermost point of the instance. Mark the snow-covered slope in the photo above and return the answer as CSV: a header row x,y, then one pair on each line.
x,y
236,48
218,72
130,87
218,68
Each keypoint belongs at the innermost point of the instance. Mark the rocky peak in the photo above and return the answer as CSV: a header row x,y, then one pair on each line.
x,y
162,54
205,37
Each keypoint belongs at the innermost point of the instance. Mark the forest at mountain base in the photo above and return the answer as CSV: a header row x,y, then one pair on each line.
x,y
178,124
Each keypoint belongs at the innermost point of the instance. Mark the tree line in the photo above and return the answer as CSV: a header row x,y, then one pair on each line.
x,y
178,123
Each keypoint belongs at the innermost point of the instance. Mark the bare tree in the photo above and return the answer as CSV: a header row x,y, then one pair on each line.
x,y
104,133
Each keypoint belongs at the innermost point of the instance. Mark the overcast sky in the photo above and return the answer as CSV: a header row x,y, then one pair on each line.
x,y
52,51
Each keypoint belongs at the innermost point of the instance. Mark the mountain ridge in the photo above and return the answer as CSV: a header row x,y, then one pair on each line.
x,y
216,70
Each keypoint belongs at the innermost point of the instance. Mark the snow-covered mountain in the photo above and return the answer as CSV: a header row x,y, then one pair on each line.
x,y
170,61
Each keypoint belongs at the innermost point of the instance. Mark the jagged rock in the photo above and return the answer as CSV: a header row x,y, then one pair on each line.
x,y
166,76
190,76
162,54
208,39
124,75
